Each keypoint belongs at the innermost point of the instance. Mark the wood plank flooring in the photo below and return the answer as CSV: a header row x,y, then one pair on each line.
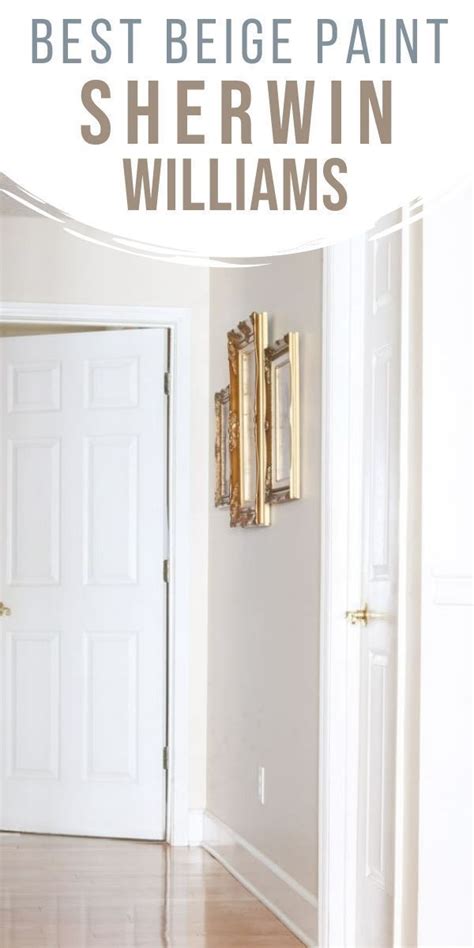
x,y
66,892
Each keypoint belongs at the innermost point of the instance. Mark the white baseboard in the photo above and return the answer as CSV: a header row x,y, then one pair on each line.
x,y
195,827
294,905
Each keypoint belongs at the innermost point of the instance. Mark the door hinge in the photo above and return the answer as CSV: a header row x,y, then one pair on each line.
x,y
165,758
167,383
166,571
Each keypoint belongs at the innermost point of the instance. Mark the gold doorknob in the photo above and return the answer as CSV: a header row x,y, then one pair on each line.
x,y
4,610
363,615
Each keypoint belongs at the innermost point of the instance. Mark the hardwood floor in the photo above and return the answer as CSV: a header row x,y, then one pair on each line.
x,y
66,892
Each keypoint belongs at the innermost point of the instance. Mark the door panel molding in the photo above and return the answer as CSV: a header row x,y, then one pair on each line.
x,y
28,563
125,709
104,514
32,740
376,769
34,387
379,540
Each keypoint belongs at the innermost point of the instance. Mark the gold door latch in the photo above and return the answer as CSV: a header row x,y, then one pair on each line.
x,y
4,610
363,615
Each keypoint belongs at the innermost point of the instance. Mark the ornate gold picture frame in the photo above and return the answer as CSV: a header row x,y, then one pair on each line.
x,y
246,349
282,420
222,450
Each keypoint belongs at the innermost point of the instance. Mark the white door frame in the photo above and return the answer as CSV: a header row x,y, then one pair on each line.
x,y
342,414
179,322
344,295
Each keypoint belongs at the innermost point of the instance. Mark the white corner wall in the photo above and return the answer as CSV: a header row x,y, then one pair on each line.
x,y
264,626
40,263
445,836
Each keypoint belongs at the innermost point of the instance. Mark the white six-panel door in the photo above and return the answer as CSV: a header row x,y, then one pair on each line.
x,y
83,538
376,796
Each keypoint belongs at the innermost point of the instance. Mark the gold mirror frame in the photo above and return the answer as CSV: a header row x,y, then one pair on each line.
x,y
289,489
221,449
249,339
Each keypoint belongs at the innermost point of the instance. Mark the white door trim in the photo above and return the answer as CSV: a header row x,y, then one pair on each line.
x,y
342,486
341,572
179,322
409,585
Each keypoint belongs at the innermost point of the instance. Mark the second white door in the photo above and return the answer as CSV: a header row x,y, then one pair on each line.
x,y
83,539
378,639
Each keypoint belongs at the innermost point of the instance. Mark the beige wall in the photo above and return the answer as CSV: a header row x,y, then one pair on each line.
x,y
264,602
40,263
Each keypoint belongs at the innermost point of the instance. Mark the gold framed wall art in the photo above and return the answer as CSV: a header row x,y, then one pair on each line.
x,y
222,450
246,350
282,420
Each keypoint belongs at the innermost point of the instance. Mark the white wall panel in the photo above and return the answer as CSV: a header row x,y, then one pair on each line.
x,y
445,820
